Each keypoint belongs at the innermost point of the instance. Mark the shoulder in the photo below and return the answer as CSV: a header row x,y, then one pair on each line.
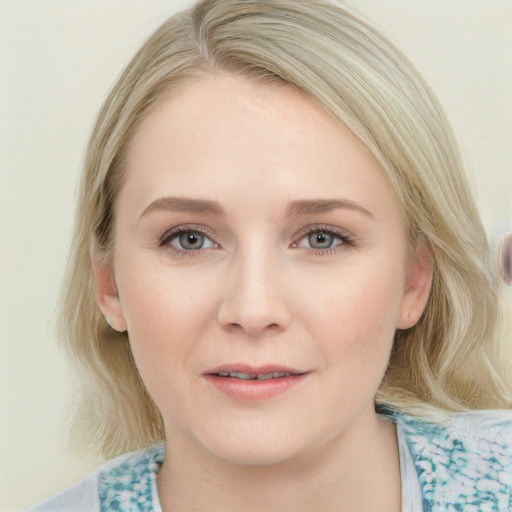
x,y
472,429
112,486
131,481
463,460
82,497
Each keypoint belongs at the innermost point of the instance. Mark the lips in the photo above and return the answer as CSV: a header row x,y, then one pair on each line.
x,y
254,376
247,372
247,383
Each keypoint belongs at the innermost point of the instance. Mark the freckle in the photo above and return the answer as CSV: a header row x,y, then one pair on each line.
x,y
505,258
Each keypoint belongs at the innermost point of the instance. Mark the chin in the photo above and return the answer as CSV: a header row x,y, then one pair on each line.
x,y
259,447
257,456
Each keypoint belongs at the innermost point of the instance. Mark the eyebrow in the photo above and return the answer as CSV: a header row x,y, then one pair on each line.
x,y
299,207
185,204
311,206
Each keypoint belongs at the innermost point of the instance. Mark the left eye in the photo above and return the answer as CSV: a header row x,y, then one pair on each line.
x,y
322,239
190,241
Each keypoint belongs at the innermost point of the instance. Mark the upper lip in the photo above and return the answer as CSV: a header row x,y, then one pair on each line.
x,y
253,370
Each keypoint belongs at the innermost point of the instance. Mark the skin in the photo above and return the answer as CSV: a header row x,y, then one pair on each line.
x,y
261,290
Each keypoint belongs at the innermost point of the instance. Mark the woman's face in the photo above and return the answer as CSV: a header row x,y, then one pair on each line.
x,y
260,268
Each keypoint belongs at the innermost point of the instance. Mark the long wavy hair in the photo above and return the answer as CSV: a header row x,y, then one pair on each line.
x,y
453,359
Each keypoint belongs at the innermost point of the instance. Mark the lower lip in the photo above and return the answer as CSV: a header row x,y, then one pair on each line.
x,y
250,390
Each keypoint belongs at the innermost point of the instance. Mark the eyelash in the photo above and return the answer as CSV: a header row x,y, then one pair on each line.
x,y
346,240
171,234
168,236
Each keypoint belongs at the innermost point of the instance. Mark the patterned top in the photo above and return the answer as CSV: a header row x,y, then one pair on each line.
x,y
463,464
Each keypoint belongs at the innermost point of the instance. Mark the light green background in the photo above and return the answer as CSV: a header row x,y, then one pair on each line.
x,y
58,58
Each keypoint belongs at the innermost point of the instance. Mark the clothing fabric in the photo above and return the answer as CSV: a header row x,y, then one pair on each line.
x,y
463,464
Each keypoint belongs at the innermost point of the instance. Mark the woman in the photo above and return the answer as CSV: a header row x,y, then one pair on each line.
x,y
279,288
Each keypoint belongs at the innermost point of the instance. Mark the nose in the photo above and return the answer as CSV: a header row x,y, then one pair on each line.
x,y
253,296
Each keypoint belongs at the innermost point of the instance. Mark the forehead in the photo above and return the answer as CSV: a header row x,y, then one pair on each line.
x,y
227,133
245,105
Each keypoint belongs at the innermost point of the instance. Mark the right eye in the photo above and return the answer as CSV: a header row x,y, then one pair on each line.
x,y
186,240
191,241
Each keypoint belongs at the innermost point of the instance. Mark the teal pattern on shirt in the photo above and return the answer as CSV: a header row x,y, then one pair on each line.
x,y
463,465
130,486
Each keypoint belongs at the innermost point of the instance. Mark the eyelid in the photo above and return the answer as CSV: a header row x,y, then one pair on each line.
x,y
344,235
171,233
347,240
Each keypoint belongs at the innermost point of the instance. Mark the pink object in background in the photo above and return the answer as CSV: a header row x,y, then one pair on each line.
x,y
505,258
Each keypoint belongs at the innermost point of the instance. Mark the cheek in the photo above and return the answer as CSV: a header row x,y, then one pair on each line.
x,y
166,312
155,295
355,324
360,304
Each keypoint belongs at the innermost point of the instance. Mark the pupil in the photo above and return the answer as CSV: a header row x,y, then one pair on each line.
x,y
320,240
191,241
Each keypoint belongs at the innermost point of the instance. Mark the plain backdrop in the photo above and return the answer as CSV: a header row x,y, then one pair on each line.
x,y
58,58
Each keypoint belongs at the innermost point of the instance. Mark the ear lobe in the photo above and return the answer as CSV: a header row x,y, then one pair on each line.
x,y
105,293
418,283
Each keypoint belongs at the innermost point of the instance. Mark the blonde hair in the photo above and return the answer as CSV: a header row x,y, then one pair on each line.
x,y
452,360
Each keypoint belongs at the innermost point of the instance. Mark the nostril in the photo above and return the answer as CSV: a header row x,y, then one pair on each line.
x,y
252,328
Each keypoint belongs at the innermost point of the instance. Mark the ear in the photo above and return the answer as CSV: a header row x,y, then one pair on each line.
x,y
106,294
417,287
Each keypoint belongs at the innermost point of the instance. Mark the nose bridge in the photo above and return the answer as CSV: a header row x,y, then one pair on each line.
x,y
251,298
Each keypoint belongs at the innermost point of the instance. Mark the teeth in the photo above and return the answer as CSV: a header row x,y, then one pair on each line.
x,y
254,376
274,375
265,376
244,376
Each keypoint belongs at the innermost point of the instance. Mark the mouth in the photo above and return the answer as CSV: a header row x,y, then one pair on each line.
x,y
248,372
245,383
255,376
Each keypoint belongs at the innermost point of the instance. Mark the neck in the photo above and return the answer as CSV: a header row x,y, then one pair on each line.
x,y
357,470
